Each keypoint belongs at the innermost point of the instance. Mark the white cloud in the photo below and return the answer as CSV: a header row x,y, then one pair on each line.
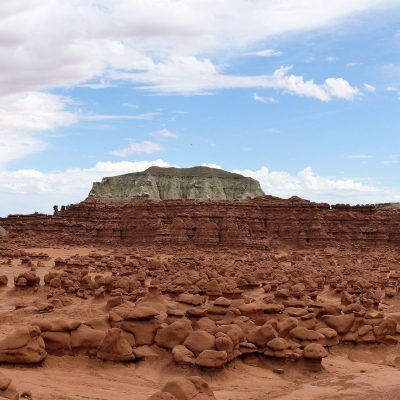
x,y
163,133
265,53
25,118
265,100
189,76
146,147
72,42
369,88
116,117
307,184
340,88
50,44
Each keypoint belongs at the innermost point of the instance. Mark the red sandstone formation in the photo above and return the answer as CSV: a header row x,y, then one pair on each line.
x,y
259,222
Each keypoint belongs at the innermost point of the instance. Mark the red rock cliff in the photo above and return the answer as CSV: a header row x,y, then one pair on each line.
x,y
258,222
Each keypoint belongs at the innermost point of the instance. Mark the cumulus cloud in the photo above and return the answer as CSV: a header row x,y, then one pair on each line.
x,y
25,117
146,147
309,185
69,42
47,44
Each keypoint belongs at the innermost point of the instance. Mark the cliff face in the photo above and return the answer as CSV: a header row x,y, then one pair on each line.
x,y
156,183
261,222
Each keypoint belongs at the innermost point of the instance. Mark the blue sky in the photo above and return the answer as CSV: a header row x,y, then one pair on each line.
x,y
302,95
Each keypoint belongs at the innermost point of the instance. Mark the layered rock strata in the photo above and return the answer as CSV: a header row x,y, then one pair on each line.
x,y
258,222
156,183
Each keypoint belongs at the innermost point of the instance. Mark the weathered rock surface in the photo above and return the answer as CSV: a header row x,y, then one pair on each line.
x,y
156,183
190,388
3,232
259,222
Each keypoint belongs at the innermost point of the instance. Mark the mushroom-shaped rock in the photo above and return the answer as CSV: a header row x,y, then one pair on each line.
x,y
314,351
278,344
115,347
24,346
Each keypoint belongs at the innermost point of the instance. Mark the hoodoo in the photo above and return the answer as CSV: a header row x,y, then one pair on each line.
x,y
157,183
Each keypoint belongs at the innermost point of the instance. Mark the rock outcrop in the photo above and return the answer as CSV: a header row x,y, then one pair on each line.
x,y
255,223
156,183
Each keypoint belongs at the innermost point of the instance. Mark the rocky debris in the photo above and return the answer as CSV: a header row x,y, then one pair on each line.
x,y
201,183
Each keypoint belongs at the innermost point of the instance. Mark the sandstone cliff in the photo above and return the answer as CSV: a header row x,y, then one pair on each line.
x,y
156,183
261,222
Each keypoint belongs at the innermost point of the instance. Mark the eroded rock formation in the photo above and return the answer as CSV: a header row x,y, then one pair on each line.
x,y
156,183
260,222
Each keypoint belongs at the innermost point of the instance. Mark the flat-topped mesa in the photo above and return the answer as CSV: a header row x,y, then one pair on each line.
x,y
157,183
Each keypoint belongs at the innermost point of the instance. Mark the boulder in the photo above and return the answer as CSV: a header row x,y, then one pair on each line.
x,y
260,336
57,343
174,334
86,340
211,359
115,347
143,330
182,355
200,340
192,388
24,346
340,323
